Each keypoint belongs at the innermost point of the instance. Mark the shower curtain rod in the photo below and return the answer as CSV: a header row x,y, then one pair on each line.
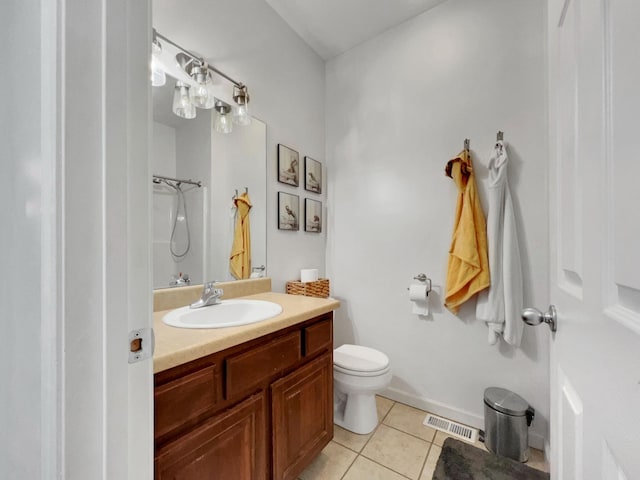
x,y
178,180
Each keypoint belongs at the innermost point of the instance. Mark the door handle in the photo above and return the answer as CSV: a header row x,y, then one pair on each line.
x,y
533,316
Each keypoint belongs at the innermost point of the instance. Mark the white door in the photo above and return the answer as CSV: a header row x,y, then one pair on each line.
x,y
75,189
594,102
107,403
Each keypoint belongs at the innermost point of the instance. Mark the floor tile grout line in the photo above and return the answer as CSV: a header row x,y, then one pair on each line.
x,y
347,447
425,462
393,404
386,466
381,422
376,429
349,467
359,454
410,434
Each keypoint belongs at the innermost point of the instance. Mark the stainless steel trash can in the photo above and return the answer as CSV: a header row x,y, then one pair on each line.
x,y
507,417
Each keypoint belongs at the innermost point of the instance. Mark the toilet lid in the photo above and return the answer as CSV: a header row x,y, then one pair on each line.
x,y
360,359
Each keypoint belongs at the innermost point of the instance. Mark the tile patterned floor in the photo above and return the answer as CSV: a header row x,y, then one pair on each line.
x,y
400,447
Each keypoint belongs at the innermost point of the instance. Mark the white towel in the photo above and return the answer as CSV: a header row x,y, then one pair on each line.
x,y
501,305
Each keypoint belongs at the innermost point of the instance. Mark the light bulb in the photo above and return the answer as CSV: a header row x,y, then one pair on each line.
x,y
223,122
241,110
182,105
201,96
241,115
158,77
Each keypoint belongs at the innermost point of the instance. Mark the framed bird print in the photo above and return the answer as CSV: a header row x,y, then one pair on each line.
x,y
312,175
312,215
288,167
288,211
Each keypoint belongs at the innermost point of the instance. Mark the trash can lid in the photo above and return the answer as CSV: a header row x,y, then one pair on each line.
x,y
505,401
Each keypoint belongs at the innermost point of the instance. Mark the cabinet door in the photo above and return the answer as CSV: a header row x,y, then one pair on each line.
x,y
230,445
302,412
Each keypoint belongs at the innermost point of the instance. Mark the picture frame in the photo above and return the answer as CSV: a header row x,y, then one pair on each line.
x,y
288,165
312,175
288,212
312,215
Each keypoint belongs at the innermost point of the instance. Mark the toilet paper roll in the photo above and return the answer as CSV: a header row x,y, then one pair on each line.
x,y
419,299
308,275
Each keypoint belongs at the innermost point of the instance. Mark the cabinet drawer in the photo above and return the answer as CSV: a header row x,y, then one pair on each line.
x,y
318,336
251,368
180,401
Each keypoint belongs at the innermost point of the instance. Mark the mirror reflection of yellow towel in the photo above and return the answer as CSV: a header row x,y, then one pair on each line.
x,y
240,257
468,269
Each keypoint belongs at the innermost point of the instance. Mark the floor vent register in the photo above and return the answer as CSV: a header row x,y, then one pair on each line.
x,y
452,428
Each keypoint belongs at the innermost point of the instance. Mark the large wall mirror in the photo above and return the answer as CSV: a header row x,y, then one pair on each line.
x,y
193,223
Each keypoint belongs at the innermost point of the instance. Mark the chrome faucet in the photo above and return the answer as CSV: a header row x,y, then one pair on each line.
x,y
210,296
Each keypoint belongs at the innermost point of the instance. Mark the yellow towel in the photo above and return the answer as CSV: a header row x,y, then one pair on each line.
x,y
468,270
240,258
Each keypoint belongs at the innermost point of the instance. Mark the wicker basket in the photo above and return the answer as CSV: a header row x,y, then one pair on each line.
x,y
319,288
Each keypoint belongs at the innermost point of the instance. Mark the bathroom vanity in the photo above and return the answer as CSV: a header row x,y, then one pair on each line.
x,y
250,402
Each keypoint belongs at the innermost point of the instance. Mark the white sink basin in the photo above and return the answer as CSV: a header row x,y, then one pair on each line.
x,y
228,313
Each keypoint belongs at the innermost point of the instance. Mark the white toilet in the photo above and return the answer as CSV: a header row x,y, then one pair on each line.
x,y
358,374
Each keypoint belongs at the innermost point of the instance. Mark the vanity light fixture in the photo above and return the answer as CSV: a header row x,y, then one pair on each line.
x,y
223,122
194,89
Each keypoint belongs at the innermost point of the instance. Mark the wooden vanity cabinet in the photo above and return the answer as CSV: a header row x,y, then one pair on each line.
x,y
260,410
227,445
302,416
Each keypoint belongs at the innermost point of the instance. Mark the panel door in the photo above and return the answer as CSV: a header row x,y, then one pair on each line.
x,y
594,74
230,445
302,416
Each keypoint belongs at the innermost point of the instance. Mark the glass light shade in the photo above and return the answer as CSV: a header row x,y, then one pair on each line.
x,y
201,94
182,105
241,115
223,122
158,76
241,108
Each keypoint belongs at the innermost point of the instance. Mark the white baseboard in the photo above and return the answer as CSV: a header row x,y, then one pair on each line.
x,y
452,413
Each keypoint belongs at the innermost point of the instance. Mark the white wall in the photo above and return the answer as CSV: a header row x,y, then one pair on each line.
x,y
182,152
286,82
238,163
398,107
193,161
163,162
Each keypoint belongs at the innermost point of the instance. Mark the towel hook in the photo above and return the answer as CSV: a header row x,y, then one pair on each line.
x,y
467,142
246,190
500,135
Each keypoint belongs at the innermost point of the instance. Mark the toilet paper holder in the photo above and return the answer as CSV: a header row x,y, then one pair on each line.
x,y
422,278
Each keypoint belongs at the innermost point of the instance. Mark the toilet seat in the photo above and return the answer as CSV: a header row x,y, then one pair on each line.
x,y
360,361
358,373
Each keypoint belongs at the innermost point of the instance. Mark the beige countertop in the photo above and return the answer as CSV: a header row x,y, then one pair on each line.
x,y
175,346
